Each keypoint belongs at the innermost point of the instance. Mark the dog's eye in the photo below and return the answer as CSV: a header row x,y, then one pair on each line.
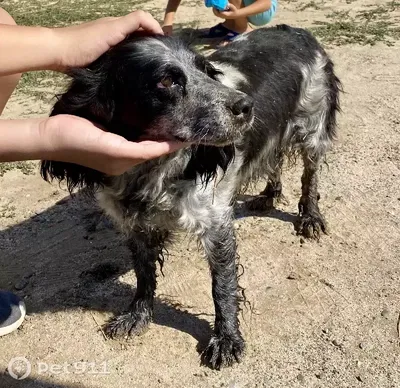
x,y
166,82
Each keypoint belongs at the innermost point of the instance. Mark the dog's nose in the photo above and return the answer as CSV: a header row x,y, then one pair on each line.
x,y
244,106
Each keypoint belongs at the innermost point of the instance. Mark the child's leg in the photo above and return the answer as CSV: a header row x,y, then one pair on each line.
x,y
9,82
240,25
262,19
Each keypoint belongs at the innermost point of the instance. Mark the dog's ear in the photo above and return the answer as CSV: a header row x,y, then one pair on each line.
x,y
203,64
89,96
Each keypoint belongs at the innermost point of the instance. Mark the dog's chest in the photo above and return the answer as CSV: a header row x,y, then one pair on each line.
x,y
155,199
179,205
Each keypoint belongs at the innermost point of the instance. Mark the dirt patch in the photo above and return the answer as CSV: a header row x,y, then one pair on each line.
x,y
324,314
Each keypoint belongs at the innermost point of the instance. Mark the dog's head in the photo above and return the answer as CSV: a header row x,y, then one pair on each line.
x,y
153,88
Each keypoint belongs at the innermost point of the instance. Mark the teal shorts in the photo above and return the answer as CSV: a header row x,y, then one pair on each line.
x,y
261,19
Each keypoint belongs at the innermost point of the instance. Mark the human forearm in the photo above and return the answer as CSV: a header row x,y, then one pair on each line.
x,y
20,46
37,48
22,140
170,11
73,139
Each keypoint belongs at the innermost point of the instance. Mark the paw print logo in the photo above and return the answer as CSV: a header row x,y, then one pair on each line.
x,y
19,368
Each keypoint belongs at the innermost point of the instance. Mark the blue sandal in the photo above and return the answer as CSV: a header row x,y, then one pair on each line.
x,y
218,31
230,36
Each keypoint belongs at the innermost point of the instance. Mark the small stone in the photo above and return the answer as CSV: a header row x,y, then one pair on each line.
x,y
359,378
293,276
302,241
326,283
326,331
300,378
385,314
362,345
320,375
336,342
236,226
21,284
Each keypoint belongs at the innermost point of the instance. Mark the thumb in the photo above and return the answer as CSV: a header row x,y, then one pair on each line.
x,y
150,149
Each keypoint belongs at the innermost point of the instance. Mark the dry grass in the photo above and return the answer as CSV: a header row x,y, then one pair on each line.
x,y
367,27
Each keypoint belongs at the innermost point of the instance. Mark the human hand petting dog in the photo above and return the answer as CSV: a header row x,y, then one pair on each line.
x,y
62,48
82,44
77,140
68,138
72,139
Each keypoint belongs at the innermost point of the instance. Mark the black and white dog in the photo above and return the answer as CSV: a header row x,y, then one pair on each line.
x,y
269,93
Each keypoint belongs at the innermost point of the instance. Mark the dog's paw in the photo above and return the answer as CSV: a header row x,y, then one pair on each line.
x,y
223,351
128,324
311,226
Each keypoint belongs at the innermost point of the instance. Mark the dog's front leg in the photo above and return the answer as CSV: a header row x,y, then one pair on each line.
x,y
146,248
227,345
312,222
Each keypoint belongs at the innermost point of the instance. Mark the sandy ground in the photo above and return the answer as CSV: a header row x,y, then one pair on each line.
x,y
324,314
